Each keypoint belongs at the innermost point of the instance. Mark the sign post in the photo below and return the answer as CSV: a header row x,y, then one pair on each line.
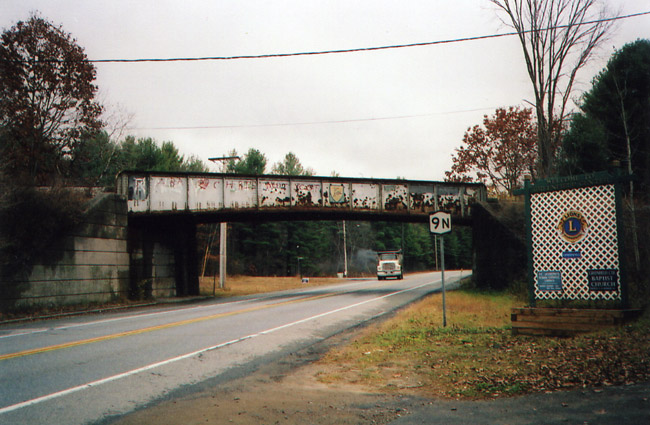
x,y
439,224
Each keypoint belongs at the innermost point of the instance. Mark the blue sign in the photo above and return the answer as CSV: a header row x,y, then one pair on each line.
x,y
549,281
571,254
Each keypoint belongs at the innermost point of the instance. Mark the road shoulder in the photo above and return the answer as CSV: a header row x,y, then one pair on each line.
x,y
286,390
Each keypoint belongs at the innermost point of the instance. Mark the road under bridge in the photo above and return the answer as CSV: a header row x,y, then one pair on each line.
x,y
164,209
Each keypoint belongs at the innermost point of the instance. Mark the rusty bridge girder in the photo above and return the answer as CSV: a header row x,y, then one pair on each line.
x,y
234,197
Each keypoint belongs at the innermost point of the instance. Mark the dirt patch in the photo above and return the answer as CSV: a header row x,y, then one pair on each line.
x,y
282,392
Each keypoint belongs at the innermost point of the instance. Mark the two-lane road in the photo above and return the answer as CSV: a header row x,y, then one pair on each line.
x,y
83,369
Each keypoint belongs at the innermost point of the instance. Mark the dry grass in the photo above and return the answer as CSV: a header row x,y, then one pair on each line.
x,y
247,285
392,355
476,356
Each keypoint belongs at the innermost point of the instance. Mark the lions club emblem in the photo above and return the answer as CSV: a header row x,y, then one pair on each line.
x,y
572,226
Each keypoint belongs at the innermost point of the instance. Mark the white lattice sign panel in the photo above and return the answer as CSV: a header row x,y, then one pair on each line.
x,y
575,244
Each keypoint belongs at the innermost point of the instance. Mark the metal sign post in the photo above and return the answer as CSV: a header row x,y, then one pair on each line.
x,y
439,224
223,255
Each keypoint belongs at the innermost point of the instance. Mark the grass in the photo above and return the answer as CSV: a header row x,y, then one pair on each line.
x,y
247,285
477,357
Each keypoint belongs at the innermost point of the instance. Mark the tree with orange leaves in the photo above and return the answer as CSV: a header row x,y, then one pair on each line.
x,y
499,153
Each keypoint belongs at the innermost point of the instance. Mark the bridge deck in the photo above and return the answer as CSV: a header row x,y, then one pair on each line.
x,y
231,195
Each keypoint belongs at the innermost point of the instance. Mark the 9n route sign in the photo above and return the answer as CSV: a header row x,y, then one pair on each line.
x,y
440,223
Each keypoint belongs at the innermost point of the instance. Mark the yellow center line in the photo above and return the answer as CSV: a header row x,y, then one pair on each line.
x,y
154,328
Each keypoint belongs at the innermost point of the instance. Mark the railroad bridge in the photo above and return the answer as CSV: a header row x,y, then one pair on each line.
x,y
236,197
164,209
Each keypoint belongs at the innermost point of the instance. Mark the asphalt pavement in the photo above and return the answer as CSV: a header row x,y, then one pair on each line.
x,y
626,405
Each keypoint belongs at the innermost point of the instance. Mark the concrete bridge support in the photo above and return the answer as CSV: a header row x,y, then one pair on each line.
x,y
88,265
163,257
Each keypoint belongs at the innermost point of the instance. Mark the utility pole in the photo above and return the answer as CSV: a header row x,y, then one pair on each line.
x,y
345,253
222,255
223,233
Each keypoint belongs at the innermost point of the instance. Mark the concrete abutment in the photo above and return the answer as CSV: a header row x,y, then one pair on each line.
x,y
110,257
163,257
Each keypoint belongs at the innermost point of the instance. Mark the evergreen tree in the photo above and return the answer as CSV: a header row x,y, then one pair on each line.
x,y
614,121
253,163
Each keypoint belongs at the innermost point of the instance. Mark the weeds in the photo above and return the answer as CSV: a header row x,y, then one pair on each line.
x,y
247,285
477,357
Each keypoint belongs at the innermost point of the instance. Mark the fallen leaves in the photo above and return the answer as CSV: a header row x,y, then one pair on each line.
x,y
486,362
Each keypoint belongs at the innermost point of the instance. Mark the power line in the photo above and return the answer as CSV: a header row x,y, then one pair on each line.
x,y
354,50
277,55
397,117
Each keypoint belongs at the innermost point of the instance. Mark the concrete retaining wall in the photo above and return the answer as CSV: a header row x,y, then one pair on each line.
x,y
93,265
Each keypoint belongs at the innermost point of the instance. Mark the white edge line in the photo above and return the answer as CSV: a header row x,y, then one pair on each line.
x,y
188,355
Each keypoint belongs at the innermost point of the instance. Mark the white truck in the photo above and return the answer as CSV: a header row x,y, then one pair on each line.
x,y
389,264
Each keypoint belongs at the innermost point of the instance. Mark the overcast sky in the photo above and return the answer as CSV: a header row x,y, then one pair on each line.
x,y
383,114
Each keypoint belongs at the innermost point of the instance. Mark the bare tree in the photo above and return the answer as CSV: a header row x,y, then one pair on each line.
x,y
558,37
116,121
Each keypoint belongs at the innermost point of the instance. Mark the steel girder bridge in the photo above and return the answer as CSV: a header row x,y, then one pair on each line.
x,y
236,197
